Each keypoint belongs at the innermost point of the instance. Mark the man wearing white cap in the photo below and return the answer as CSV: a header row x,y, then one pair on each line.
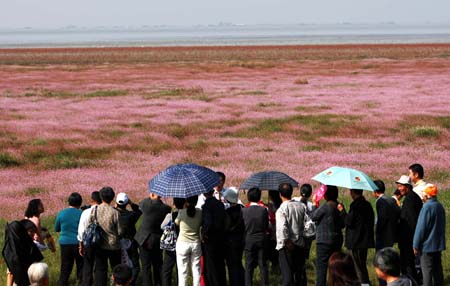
x,y
412,204
128,219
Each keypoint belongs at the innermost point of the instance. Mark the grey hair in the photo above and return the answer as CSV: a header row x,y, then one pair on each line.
x,y
37,272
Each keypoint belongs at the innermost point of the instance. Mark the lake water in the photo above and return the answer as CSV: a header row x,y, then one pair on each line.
x,y
300,34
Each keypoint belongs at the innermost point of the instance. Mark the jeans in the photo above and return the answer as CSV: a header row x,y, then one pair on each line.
x,y
101,264
360,259
292,263
69,255
253,257
188,253
323,253
431,264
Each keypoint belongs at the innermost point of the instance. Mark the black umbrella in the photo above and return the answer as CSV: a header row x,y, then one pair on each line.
x,y
268,180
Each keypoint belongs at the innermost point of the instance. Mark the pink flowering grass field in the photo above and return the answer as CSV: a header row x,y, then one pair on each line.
x,y
74,120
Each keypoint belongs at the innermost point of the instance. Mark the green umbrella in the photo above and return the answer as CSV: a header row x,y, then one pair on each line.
x,y
346,178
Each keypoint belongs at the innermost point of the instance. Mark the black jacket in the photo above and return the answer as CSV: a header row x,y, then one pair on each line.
x,y
359,223
128,220
388,218
153,214
19,252
234,235
214,220
412,204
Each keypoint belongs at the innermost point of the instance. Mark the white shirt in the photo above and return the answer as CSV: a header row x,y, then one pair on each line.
x,y
84,222
419,188
290,223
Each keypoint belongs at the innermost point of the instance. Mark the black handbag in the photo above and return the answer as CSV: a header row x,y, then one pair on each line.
x,y
93,233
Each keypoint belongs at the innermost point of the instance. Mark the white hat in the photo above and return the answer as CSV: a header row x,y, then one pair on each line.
x,y
404,180
122,199
231,194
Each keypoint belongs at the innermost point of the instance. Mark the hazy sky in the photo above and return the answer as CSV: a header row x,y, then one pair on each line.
x,y
60,13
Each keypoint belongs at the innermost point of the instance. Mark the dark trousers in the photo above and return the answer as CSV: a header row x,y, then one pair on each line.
x,y
151,259
323,253
255,256
431,264
407,260
133,254
233,257
360,259
88,265
170,260
69,255
271,255
214,262
292,263
101,264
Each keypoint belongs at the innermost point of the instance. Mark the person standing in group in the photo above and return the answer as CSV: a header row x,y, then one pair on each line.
x,y
305,195
128,220
67,222
33,212
290,218
148,237
387,267
388,217
109,247
256,223
87,252
19,251
416,174
213,235
429,238
189,249
409,213
234,238
217,192
170,256
329,221
359,236
342,270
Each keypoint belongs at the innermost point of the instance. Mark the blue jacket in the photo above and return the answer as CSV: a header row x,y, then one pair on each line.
x,y
67,223
430,230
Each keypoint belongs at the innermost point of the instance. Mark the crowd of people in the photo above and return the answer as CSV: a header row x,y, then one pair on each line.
x,y
206,237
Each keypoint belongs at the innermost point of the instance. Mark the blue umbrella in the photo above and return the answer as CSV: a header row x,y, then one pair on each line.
x,y
183,181
346,178
267,180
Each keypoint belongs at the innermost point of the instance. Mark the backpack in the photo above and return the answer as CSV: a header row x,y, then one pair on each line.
x,y
93,233
309,230
169,237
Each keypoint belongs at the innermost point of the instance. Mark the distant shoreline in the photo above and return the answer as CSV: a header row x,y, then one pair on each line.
x,y
222,47
226,35
192,54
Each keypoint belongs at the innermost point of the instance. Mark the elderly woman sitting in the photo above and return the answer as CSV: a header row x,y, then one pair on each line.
x,y
38,274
